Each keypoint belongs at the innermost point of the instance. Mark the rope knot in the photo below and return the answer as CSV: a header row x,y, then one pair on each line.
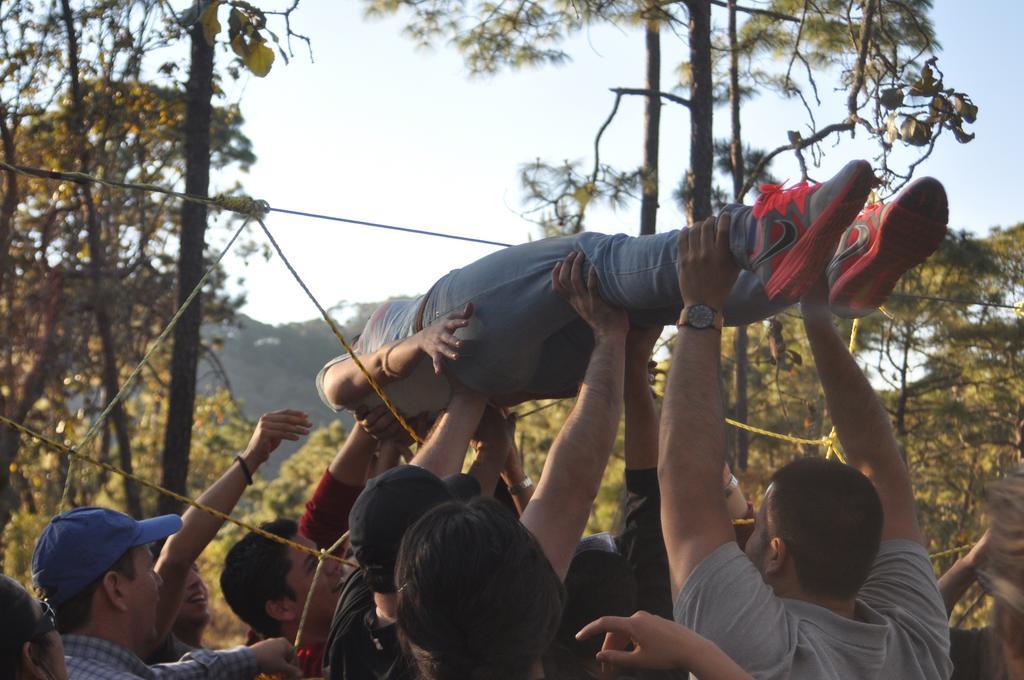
x,y
243,205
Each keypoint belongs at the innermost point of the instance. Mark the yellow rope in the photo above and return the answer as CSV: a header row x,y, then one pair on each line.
x,y
73,453
256,209
952,551
312,587
243,205
130,380
341,338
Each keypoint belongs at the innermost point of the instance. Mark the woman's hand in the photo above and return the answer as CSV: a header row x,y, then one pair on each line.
x,y
438,340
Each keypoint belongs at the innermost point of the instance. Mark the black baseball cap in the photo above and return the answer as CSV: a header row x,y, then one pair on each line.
x,y
388,506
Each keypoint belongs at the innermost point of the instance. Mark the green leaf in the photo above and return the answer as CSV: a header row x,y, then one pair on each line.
x,y
211,26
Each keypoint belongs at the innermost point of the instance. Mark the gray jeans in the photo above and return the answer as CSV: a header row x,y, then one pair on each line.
x,y
524,337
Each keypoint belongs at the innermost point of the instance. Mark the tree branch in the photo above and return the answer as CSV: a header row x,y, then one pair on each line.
x,y
802,144
757,10
619,91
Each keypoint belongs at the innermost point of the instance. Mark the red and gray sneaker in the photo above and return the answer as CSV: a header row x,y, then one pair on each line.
x,y
790,234
884,242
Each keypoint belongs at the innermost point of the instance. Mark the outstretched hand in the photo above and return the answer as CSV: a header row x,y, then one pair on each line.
x,y
707,270
380,423
272,429
641,641
567,281
438,340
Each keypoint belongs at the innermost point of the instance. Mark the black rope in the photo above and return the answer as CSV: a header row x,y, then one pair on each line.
x,y
377,225
954,301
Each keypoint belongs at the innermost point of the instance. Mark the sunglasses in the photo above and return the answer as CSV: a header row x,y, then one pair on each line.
x,y
46,622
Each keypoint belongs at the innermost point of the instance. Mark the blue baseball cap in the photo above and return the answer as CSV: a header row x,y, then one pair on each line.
x,y
79,546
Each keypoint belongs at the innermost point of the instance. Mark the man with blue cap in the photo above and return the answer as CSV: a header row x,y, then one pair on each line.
x,y
93,568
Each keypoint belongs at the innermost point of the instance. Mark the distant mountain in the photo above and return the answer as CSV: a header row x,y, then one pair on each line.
x,y
273,367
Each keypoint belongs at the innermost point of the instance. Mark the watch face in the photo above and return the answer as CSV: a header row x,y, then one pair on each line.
x,y
700,316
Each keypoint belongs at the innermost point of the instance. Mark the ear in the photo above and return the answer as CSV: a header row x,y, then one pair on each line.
x,y
113,588
30,663
776,556
283,609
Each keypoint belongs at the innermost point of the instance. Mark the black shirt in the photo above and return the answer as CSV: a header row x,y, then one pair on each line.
x,y
357,648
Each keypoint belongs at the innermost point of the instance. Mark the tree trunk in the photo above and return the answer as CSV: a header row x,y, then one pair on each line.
x,y
32,385
652,127
699,178
9,203
736,157
185,356
97,272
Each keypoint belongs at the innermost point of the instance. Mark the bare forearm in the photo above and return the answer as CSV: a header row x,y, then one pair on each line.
x,y
444,452
347,385
861,421
558,511
863,427
350,464
184,547
955,582
641,436
692,454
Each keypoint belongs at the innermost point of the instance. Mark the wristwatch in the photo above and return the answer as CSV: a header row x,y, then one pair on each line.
x,y
701,317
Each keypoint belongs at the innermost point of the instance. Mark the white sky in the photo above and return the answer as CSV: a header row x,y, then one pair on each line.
x,y
375,129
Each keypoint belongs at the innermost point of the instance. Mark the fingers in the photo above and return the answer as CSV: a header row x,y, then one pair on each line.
x,y
556,279
722,235
616,657
286,417
463,314
605,624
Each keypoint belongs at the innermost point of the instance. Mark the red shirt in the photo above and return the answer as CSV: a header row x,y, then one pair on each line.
x,y
324,522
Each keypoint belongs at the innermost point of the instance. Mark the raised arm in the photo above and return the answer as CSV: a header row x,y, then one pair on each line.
x,y
326,515
691,451
860,419
558,511
641,436
345,385
444,451
962,575
492,443
199,528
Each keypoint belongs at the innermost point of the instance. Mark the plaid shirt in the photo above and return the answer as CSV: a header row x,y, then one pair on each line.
x,y
91,658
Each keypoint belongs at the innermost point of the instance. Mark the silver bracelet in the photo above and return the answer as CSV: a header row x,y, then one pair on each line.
x,y
519,487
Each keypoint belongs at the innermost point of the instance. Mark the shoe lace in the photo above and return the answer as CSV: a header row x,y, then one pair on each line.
x,y
777,196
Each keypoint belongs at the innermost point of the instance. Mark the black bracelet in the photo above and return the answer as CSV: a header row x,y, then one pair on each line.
x,y
245,470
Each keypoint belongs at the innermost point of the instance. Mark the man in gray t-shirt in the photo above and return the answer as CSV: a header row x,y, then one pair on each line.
x,y
835,582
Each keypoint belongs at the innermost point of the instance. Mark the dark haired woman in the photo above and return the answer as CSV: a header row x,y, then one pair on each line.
x,y
30,647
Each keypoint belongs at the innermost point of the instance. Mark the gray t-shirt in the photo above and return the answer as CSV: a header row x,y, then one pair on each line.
x,y
900,632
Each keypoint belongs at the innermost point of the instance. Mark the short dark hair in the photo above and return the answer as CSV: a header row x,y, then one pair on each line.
x,y
255,572
23,621
830,517
75,613
477,598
